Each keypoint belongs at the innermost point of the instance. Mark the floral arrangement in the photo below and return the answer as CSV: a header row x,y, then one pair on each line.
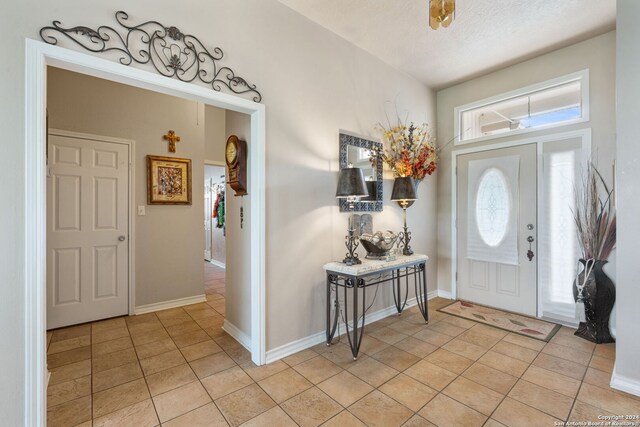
x,y
408,150
595,218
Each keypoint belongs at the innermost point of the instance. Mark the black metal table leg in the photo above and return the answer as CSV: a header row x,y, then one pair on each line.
x,y
331,329
420,280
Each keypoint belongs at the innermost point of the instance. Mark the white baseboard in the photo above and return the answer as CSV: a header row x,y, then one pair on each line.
x,y
443,294
319,337
236,333
218,264
628,385
148,308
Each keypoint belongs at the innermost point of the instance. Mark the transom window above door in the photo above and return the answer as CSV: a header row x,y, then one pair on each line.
x,y
556,102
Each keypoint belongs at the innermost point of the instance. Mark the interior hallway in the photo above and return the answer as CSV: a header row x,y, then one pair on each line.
x,y
177,367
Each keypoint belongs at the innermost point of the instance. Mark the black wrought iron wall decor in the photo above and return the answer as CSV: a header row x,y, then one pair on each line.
x,y
171,52
373,175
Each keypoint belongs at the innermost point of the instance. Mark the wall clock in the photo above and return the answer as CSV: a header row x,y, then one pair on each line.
x,y
236,158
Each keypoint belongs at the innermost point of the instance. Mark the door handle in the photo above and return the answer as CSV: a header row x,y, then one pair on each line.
x,y
530,253
122,238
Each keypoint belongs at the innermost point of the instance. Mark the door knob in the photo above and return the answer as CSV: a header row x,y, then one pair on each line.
x,y
122,238
530,254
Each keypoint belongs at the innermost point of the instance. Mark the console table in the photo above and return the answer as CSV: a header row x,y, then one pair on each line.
x,y
370,273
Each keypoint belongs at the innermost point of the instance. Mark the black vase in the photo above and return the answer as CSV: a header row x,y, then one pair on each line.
x,y
599,296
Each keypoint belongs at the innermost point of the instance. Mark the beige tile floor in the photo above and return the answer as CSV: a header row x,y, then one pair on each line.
x,y
177,367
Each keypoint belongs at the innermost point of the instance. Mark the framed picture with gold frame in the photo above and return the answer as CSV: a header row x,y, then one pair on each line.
x,y
168,180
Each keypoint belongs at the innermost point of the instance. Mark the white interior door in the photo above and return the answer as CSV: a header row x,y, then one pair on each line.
x,y
496,214
208,209
87,230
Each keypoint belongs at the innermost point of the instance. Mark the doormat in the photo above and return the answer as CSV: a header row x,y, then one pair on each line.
x,y
516,323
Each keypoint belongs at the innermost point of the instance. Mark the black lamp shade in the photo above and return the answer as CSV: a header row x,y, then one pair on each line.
x,y
404,189
351,183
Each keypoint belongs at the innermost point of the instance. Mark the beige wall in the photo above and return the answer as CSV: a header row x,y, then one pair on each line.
x,y
214,134
628,177
596,54
314,83
168,249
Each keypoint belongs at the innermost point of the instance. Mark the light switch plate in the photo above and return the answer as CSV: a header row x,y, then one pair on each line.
x,y
141,210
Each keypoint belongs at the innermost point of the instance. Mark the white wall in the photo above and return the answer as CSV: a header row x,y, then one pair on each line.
x,y
313,83
168,249
627,372
596,54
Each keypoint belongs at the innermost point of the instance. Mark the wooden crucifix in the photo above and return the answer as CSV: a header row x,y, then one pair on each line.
x,y
172,138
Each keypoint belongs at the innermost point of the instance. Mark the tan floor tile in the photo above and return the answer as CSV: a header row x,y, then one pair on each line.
x,y
244,404
141,318
433,337
517,352
378,409
515,414
406,390
602,364
109,335
371,345
416,347
69,344
373,372
190,338
70,413
110,400
104,325
583,412
141,414
70,332
181,400
418,421
444,411
311,408
493,423
226,382
68,390
608,400
160,362
317,369
182,328
522,341
344,419
113,360
240,355
474,395
341,354
70,372
503,363
111,346
465,349
573,342
406,327
147,337
169,379
273,417
460,322
605,350
490,330
481,340
136,330
210,365
447,329
388,335
258,373
553,403
430,374
67,357
155,348
227,341
552,380
345,388
491,378
200,350
449,361
560,366
115,376
284,385
598,378
299,357
566,353
205,416
396,358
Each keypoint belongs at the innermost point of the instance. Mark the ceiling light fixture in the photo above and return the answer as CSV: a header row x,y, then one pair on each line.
x,y
441,12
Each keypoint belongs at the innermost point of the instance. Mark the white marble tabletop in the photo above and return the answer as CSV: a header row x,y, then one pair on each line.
x,y
372,266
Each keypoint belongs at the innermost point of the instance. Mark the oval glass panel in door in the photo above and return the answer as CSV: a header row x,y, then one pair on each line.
x,y
493,207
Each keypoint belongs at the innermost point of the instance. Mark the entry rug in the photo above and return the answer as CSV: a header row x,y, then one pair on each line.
x,y
523,325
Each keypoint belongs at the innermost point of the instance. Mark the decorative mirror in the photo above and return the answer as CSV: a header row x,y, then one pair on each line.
x,y
357,152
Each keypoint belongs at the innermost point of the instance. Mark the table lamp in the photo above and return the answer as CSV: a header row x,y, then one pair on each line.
x,y
351,186
404,192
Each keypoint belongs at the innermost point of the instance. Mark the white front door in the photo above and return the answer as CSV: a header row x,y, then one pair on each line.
x,y
87,230
496,214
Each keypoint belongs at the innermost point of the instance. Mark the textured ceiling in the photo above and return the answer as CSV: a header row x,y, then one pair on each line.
x,y
486,34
